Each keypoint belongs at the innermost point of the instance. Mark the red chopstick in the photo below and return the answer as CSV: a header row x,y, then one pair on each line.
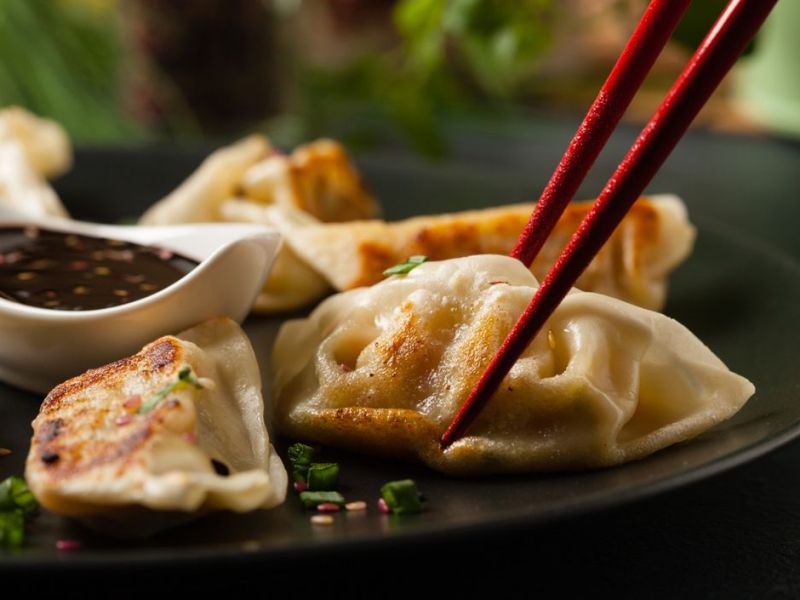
x,y
726,40
645,44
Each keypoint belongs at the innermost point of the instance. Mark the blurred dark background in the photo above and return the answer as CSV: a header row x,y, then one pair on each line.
x,y
122,70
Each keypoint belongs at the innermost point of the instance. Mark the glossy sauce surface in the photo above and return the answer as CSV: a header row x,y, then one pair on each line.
x,y
64,271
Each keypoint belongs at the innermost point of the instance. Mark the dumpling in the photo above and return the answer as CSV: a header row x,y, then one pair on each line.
x,y
652,240
317,178
292,283
31,149
43,141
172,432
384,370
22,189
237,182
218,178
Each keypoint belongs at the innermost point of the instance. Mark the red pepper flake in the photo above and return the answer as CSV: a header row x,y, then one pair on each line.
x,y
345,368
328,507
300,486
133,402
68,545
383,507
496,281
123,420
79,265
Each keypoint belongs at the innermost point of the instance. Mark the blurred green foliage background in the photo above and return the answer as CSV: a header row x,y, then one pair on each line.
x,y
114,70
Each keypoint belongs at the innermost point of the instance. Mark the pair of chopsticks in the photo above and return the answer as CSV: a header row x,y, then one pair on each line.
x,y
716,54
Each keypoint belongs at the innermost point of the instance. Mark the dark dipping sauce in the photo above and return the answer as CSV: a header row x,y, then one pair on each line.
x,y
66,271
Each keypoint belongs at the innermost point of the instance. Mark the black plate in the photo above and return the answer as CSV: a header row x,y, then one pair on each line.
x,y
738,292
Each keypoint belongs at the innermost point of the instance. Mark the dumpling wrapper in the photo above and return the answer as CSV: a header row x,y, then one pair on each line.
x,y
155,470
384,370
317,178
22,189
197,199
652,240
43,141
31,149
292,283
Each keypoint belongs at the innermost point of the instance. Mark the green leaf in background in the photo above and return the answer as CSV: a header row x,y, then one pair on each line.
x,y
453,55
61,60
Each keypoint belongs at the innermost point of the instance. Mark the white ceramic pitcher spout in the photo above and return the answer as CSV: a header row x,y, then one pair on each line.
x,y
41,347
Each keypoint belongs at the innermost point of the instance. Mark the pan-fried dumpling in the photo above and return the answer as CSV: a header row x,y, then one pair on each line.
x,y
198,198
22,189
384,370
652,240
317,178
31,149
292,283
44,142
174,431
237,182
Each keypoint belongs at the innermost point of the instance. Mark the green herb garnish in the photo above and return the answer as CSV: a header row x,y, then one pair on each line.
x,y
314,499
16,505
402,497
323,476
300,455
15,495
185,378
12,529
406,267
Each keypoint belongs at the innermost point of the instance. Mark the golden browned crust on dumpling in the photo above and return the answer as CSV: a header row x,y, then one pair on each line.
x,y
147,433
440,238
327,185
385,369
71,434
633,265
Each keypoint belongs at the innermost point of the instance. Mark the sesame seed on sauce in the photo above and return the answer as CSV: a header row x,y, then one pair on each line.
x,y
59,271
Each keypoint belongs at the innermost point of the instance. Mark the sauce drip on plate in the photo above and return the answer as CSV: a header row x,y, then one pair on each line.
x,y
66,271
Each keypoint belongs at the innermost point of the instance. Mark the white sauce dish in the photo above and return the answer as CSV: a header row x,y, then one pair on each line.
x,y
42,347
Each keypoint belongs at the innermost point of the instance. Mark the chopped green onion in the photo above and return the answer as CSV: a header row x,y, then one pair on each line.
x,y
12,529
185,378
300,455
15,495
402,497
314,499
323,476
405,267
16,504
